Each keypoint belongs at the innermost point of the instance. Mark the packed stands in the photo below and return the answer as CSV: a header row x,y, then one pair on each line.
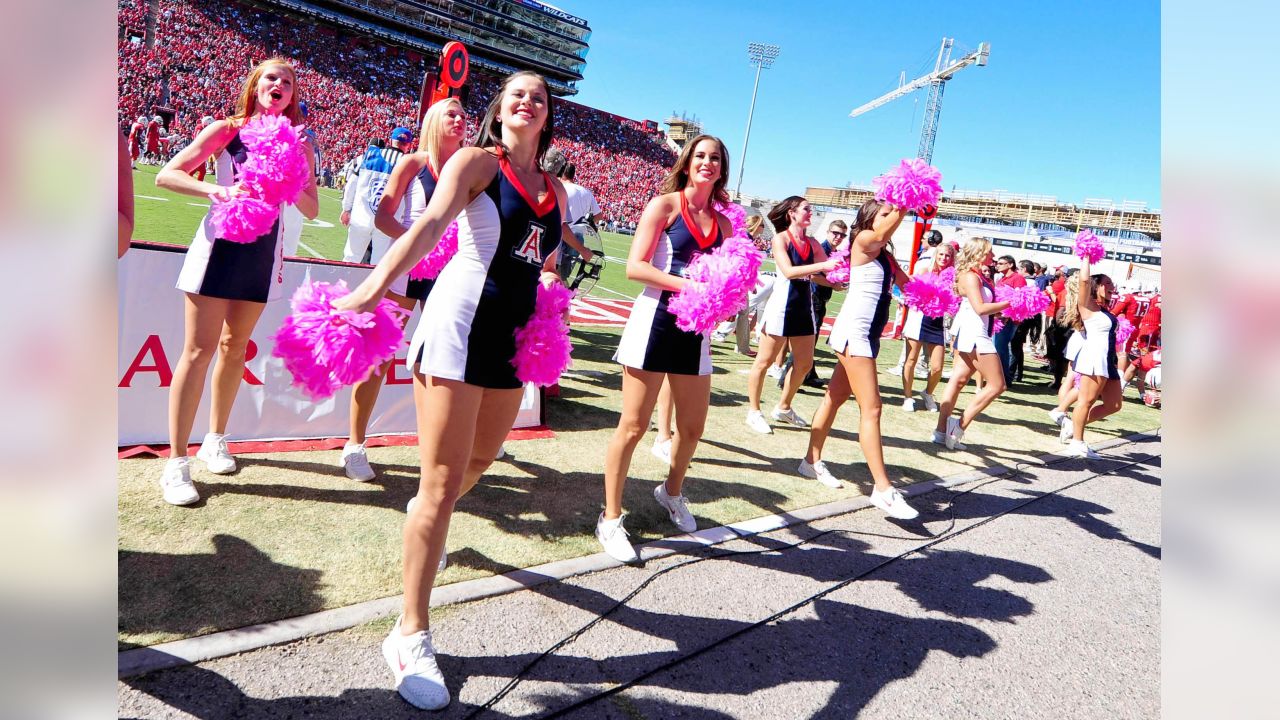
x,y
355,88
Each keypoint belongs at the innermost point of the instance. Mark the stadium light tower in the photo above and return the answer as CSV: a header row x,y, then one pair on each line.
x,y
762,56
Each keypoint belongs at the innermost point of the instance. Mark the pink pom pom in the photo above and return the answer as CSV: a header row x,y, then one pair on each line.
x,y
277,162
719,284
1089,247
1124,329
429,267
997,325
241,219
325,349
840,273
933,294
542,345
1024,302
914,184
1075,380
737,217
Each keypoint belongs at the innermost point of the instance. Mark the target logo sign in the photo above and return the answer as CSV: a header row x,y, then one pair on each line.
x,y
454,63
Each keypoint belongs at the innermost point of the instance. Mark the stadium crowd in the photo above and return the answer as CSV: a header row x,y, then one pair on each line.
x,y
355,89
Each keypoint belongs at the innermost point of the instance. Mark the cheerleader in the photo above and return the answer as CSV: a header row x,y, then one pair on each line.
x,y
790,315
677,225
974,349
227,284
1092,353
855,338
465,387
927,332
409,189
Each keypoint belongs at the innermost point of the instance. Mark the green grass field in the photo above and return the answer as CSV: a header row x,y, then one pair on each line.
x,y
288,534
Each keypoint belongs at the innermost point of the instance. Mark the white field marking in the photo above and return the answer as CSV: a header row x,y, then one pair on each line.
x,y
152,197
309,249
615,292
203,205
318,223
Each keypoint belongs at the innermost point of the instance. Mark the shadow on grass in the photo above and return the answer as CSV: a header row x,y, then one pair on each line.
x,y
161,593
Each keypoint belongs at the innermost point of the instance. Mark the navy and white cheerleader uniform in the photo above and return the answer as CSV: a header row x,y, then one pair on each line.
x,y
416,198
790,311
865,311
230,270
651,341
1093,352
973,331
487,291
925,328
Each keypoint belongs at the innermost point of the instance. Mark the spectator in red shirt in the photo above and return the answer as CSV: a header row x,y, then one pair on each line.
x,y
1007,274
1059,331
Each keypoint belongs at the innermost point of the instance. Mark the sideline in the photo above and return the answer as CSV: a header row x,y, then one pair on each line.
x,y
143,660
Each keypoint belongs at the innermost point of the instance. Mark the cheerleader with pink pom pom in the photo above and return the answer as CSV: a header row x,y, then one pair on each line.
x,y
974,325
1092,352
855,339
466,386
678,229
234,264
790,315
409,189
924,329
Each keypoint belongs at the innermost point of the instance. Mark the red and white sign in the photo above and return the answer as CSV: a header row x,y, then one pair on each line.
x,y
267,407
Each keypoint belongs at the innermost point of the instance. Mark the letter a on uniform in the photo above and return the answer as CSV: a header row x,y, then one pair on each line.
x,y
530,249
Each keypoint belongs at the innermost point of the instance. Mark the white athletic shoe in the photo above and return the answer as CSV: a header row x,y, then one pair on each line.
x,y
413,661
1066,431
1056,417
356,463
922,371
955,434
756,421
502,452
775,372
818,471
719,336
677,508
613,537
789,416
908,405
892,502
1078,448
930,403
175,482
217,458
895,370
444,554
662,450
939,438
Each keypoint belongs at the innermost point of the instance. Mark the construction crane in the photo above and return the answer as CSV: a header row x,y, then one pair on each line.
x,y
943,70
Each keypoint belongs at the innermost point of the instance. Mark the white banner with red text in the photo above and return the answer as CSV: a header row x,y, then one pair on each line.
x,y
268,406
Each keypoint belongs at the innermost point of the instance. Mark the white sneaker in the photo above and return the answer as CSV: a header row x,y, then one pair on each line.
x,y
662,450
892,502
413,661
217,458
677,508
175,482
613,537
789,416
955,434
1056,417
1078,448
895,370
719,337
1066,431
756,421
930,403
939,438
818,471
908,405
922,371
356,463
775,372
502,452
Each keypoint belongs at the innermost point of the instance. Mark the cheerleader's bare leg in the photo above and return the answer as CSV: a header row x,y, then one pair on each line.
x,y
228,369
838,391
364,395
203,327
639,394
692,395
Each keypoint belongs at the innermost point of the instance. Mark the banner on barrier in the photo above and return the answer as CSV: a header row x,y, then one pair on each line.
x,y
268,407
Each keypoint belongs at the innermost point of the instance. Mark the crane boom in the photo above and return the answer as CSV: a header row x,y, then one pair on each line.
x,y
977,57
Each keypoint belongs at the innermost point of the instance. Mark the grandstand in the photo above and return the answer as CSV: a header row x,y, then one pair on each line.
x,y
360,73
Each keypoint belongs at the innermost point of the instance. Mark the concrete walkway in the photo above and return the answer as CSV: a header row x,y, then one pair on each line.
x,y
1046,609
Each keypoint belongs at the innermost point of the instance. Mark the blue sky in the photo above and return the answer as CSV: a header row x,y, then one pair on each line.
x,y
1069,104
